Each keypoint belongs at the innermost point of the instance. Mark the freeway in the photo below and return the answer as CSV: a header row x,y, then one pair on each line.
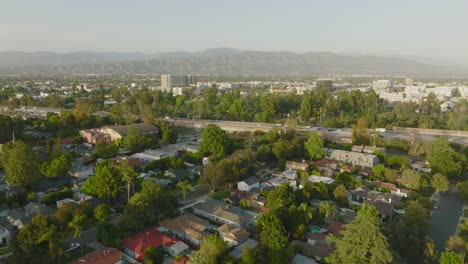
x,y
459,137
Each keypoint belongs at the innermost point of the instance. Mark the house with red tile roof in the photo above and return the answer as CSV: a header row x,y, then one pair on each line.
x,y
135,245
104,256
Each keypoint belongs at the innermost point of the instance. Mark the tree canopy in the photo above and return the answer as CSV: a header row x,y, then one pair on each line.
x,y
20,164
215,141
314,146
444,159
362,241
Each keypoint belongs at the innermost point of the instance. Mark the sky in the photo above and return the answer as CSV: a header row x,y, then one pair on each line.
x,y
427,29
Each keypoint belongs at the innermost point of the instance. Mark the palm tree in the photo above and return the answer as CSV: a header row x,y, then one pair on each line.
x,y
184,186
327,208
129,175
307,211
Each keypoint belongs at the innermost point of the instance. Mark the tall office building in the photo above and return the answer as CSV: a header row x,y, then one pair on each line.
x,y
409,82
382,85
168,81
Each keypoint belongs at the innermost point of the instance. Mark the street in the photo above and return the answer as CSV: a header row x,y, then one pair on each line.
x,y
443,222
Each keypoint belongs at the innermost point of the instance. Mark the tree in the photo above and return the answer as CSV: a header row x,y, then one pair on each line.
x,y
327,209
456,244
463,189
20,164
362,241
153,255
271,233
280,197
411,179
314,146
418,146
440,182
134,141
401,162
248,256
359,133
148,206
57,167
212,250
102,150
215,141
77,224
129,175
107,183
341,195
379,170
450,258
184,187
102,212
168,135
211,176
444,159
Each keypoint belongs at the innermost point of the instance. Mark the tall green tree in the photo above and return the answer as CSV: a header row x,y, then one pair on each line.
x,y
314,146
212,251
444,159
184,187
129,175
327,209
272,238
411,179
359,133
440,182
168,135
134,140
57,167
102,212
280,197
153,255
215,141
108,182
450,258
362,241
20,164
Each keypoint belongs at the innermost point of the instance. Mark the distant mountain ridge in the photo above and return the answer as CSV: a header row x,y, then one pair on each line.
x,y
218,61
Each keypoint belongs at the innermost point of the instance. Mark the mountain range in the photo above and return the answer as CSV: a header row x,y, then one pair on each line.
x,y
218,61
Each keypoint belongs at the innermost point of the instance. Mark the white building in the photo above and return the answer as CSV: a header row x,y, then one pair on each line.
x,y
382,84
248,184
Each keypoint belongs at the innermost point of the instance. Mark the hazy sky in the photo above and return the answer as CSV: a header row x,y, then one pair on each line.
x,y
428,28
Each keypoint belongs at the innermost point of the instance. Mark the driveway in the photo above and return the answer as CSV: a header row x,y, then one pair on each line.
x,y
444,221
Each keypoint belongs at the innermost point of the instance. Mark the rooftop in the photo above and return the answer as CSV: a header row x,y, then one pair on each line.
x,y
103,256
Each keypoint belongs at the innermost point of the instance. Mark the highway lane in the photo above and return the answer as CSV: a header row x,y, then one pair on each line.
x,y
332,133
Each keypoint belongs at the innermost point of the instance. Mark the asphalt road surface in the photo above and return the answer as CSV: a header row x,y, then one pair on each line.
x,y
444,220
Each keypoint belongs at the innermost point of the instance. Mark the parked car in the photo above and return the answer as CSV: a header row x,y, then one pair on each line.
x,y
436,206
459,212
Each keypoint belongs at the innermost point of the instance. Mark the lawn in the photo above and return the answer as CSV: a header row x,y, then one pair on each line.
x,y
220,195
465,213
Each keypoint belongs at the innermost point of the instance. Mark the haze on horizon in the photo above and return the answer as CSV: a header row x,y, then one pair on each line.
x,y
430,30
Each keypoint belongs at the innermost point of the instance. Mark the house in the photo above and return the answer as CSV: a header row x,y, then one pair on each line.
x,y
366,149
188,227
109,134
106,255
289,174
421,166
135,245
80,171
224,213
294,165
301,259
253,199
177,175
18,218
327,167
325,180
5,236
233,236
120,131
239,250
354,158
248,184
34,208
384,209
4,209
335,227
66,201
319,250
392,188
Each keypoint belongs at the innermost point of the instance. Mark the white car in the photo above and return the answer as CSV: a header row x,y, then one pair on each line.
x,y
73,246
